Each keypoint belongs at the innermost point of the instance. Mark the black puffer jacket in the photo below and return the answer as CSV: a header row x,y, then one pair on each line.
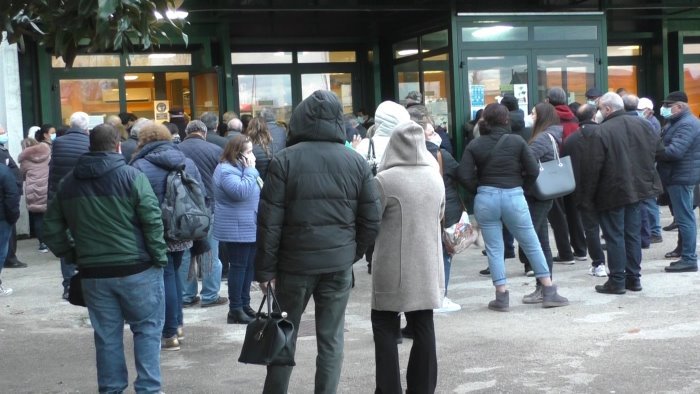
x,y
577,147
453,205
64,156
319,208
619,164
512,166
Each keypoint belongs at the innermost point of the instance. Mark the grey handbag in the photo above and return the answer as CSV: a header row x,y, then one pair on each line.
x,y
556,177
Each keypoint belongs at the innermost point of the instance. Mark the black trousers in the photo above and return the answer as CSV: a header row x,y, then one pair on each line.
x,y
567,227
421,374
538,213
591,225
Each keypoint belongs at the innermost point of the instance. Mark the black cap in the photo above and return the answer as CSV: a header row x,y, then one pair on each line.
x,y
593,93
675,97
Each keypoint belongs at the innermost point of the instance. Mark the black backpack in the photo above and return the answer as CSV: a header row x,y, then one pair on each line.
x,y
185,213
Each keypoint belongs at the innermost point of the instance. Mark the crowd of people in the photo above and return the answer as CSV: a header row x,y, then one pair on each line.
x,y
293,209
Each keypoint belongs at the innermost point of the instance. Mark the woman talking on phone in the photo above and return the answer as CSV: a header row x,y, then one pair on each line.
x,y
237,187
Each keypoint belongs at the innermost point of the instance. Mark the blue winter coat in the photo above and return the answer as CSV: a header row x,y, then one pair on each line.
x,y
205,155
157,159
64,156
236,195
679,164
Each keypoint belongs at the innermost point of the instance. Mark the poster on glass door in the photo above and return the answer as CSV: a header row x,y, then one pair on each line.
x,y
520,92
478,99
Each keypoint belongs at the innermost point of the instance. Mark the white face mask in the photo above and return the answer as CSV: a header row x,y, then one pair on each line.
x,y
599,117
435,139
591,102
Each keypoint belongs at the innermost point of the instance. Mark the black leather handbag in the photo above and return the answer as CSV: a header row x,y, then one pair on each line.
x,y
269,338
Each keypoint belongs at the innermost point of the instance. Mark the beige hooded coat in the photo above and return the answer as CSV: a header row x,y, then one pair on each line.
x,y
407,266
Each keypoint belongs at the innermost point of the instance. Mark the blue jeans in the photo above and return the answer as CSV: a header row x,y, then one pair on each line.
x,y
139,300
5,231
173,295
493,205
621,229
681,197
211,275
67,271
652,210
241,258
447,261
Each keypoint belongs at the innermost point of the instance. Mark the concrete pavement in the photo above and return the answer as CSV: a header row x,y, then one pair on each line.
x,y
644,342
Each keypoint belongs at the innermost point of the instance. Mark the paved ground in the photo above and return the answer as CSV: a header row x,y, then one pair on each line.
x,y
637,343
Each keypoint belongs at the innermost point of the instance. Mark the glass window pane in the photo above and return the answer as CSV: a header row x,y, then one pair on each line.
x,y
622,77
96,97
161,59
140,91
88,61
408,79
206,93
574,73
406,48
691,75
178,91
261,57
626,50
494,33
326,57
273,91
436,83
492,76
691,49
338,83
562,32
435,40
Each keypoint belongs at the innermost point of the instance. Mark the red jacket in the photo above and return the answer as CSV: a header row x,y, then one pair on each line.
x,y
568,120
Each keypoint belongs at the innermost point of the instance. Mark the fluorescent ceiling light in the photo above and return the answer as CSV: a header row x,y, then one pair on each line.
x,y
131,77
578,55
278,54
486,58
628,48
409,52
484,32
161,55
172,14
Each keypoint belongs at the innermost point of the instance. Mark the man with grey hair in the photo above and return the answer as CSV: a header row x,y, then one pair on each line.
x,y
278,133
206,157
679,168
630,101
234,128
116,121
129,146
65,152
620,172
211,120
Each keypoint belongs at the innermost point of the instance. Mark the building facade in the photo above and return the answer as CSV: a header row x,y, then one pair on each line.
x,y
243,55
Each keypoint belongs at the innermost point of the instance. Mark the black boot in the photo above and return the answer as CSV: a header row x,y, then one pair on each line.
x,y
238,316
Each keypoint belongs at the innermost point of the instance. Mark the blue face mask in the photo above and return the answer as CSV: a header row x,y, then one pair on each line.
x,y
665,112
53,136
591,102
3,139
640,113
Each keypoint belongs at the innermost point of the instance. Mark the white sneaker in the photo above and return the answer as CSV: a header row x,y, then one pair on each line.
x,y
448,306
5,291
598,271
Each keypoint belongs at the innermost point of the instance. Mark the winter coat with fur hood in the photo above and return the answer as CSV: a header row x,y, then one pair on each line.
x,y
34,166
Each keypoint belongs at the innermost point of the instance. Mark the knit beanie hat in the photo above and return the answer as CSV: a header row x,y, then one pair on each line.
x,y
387,116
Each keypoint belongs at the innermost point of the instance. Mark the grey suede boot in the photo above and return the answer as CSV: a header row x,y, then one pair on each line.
x,y
501,303
551,299
535,297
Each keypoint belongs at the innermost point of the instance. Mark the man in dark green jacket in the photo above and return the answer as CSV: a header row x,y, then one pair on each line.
x,y
106,218
318,212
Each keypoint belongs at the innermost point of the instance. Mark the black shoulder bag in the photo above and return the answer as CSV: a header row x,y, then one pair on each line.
x,y
269,338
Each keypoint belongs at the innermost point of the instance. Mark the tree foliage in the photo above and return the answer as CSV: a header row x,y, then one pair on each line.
x,y
70,27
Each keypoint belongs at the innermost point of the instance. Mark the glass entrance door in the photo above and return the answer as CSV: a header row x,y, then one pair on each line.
x,y
492,75
205,92
575,72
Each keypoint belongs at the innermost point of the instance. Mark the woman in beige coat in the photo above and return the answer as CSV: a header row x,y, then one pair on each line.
x,y
408,272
